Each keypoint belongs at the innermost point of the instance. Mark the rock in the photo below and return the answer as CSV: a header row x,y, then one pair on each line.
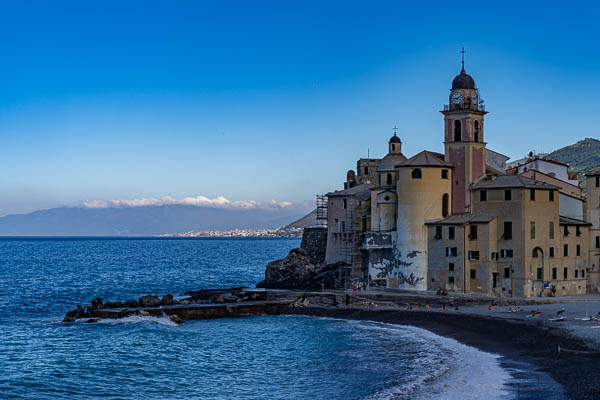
x,y
97,303
82,312
130,304
291,272
115,304
92,320
70,317
225,298
149,301
175,318
142,313
167,300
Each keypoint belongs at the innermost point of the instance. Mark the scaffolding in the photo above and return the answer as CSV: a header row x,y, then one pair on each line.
x,y
321,201
349,234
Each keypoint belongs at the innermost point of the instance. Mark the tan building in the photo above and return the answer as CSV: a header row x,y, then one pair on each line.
x,y
593,217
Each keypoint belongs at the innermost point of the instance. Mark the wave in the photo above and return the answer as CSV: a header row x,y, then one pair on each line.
x,y
134,319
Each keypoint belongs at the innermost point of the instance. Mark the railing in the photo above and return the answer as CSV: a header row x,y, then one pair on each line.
x,y
464,106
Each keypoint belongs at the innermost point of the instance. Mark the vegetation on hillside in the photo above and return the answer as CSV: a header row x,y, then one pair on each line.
x,y
581,156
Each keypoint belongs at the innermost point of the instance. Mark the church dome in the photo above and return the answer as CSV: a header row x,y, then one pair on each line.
x,y
395,139
463,81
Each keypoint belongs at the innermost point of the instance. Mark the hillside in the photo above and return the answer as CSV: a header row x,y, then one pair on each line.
x,y
581,156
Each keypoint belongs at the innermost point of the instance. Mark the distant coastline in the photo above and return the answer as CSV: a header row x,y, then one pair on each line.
x,y
270,233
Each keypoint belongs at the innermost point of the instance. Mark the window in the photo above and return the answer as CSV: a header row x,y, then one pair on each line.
x,y
444,174
473,232
540,274
457,131
535,252
345,203
494,255
476,131
551,252
578,250
565,273
366,170
473,255
598,242
551,195
416,173
483,195
450,266
438,232
506,273
583,273
566,250
343,226
506,253
508,194
532,194
393,147
507,230
388,179
576,273
532,229
577,231
551,230
451,232
451,251
473,274
445,201
450,279
364,223
597,181
554,275
566,231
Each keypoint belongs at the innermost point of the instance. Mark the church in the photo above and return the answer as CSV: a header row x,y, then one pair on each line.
x,y
463,221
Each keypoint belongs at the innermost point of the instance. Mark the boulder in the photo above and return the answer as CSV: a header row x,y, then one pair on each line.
x,y
92,320
114,304
225,298
149,301
97,303
292,272
71,316
175,318
167,300
130,304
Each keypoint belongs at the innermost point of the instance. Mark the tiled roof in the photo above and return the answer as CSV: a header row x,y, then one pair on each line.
x,y
462,219
360,190
426,159
511,181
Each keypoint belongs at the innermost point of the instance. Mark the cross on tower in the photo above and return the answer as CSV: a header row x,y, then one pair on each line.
x,y
395,129
462,53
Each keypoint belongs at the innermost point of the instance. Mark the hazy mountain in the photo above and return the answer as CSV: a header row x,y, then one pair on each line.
x,y
308,220
142,221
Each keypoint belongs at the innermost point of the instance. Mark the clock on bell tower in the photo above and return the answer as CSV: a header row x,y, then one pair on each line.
x,y
464,144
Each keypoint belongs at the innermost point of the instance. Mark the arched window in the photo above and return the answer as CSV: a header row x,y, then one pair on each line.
x,y
366,170
393,147
445,205
416,173
389,179
476,131
457,131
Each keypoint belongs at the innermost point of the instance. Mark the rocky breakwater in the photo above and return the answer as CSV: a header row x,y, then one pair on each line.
x,y
299,270
201,304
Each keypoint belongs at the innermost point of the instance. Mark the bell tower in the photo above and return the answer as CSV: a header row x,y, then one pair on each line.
x,y
464,144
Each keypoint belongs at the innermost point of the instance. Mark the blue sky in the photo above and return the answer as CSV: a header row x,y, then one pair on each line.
x,y
270,100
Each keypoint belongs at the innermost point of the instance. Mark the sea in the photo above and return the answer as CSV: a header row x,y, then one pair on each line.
x,y
255,357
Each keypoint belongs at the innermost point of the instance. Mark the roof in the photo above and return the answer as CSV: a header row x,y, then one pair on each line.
x,y
573,221
395,139
463,81
511,181
462,219
389,162
593,172
361,192
426,159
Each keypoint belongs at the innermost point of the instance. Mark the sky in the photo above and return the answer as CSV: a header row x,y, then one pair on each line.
x,y
270,102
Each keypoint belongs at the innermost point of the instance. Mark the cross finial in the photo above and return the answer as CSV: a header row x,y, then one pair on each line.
x,y
395,129
462,53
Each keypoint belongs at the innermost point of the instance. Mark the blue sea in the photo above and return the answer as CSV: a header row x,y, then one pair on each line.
x,y
259,357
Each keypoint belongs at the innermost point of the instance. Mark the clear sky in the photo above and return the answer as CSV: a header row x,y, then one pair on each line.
x,y
252,100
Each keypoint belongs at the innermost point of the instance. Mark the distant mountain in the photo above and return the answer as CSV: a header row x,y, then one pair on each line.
x,y
581,156
141,221
308,220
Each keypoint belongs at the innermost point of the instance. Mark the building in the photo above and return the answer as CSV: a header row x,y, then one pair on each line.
x,y
462,221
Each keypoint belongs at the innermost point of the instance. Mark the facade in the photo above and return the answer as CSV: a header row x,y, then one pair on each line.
x,y
463,222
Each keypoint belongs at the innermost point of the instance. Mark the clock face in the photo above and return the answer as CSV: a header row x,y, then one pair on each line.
x,y
474,98
457,98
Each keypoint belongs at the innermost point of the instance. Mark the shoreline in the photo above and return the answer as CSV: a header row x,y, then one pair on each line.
x,y
513,339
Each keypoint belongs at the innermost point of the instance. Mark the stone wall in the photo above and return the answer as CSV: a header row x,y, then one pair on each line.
x,y
314,241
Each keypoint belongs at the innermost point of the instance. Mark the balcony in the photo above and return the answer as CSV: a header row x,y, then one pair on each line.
x,y
376,240
464,106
